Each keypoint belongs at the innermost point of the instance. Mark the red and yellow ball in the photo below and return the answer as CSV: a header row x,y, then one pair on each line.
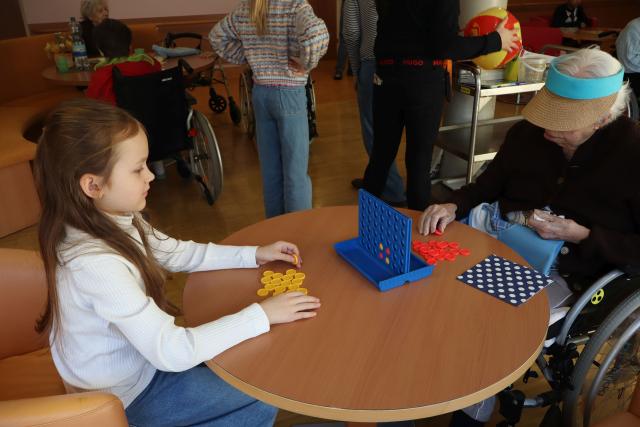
x,y
485,23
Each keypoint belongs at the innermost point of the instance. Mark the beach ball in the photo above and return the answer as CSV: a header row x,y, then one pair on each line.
x,y
485,23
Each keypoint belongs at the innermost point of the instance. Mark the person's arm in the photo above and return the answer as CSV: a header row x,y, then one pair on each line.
x,y
187,256
444,41
559,17
351,32
108,283
313,36
490,184
615,247
628,47
225,40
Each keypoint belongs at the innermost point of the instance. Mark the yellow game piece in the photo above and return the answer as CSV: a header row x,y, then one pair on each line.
x,y
265,280
295,259
277,275
290,272
267,273
280,289
278,292
303,290
297,281
288,277
270,286
387,260
275,281
300,276
263,292
293,287
285,282
380,246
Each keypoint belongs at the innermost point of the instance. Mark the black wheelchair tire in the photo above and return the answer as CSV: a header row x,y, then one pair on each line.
x,y
207,160
571,399
218,104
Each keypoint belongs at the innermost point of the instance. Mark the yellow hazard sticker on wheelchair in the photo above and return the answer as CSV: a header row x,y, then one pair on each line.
x,y
597,297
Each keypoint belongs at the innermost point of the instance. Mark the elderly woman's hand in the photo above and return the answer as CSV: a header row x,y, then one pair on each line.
x,y
550,226
436,216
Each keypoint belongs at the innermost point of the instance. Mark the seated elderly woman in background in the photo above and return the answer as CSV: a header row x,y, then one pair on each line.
x,y
575,155
93,12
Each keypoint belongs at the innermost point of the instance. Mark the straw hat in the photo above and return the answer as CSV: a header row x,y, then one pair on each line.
x,y
568,103
552,112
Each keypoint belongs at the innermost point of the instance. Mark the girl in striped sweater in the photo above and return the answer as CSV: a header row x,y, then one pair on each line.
x,y
281,40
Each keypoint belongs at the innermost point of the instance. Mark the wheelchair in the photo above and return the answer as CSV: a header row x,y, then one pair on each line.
x,y
159,101
593,365
247,116
210,77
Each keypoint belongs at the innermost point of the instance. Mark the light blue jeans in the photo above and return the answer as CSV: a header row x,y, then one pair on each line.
x,y
394,188
197,397
282,131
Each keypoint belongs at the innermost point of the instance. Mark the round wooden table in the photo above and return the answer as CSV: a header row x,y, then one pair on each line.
x,y
82,78
420,350
587,36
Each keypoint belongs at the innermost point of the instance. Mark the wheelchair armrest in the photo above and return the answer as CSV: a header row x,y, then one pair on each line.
x,y
583,301
68,410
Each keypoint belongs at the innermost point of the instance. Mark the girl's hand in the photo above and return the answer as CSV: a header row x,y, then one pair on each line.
x,y
436,217
289,307
550,226
509,38
279,251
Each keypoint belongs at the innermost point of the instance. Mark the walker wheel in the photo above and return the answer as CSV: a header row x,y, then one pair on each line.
x,y
217,103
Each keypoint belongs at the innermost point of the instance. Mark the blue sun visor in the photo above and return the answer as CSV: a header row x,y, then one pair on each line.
x,y
579,88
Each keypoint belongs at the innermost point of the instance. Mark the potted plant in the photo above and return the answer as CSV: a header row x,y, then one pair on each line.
x,y
60,51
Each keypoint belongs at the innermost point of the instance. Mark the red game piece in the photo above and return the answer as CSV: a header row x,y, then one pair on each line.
x,y
437,232
442,245
465,252
454,245
450,257
432,261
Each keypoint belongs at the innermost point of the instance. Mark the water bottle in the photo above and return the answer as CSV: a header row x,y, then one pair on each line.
x,y
78,48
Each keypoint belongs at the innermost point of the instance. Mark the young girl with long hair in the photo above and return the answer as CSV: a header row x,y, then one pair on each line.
x,y
281,40
111,327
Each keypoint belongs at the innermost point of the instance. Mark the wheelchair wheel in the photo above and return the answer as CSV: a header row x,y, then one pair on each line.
x,y
311,109
206,160
247,121
216,102
605,374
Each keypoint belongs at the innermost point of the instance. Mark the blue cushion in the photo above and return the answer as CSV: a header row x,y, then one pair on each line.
x,y
540,253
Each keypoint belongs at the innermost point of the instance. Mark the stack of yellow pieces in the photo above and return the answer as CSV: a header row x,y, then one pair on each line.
x,y
278,283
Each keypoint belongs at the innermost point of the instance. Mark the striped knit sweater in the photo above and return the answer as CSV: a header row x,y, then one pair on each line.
x,y
113,337
294,32
359,19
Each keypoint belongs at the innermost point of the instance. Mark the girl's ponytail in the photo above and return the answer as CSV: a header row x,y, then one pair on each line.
x,y
259,11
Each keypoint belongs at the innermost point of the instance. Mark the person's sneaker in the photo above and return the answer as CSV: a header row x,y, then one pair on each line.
x,y
357,183
337,75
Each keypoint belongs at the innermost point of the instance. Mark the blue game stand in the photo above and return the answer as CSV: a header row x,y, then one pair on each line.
x,y
382,250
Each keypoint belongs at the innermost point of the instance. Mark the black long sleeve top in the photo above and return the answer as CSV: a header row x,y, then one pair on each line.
x,y
597,188
427,29
86,29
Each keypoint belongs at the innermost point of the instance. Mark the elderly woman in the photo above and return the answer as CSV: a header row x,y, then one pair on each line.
x,y
93,12
575,154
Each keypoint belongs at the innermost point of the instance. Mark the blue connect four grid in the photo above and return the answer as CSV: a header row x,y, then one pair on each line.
x,y
382,250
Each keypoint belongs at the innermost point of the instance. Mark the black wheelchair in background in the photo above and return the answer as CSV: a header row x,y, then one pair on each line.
x,y
174,129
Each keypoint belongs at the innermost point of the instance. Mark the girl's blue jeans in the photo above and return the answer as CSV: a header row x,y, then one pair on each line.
x,y
282,131
197,397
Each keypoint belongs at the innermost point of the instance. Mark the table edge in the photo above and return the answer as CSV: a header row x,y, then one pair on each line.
x,y
373,415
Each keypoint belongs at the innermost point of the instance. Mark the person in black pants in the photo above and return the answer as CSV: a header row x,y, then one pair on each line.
x,y
410,85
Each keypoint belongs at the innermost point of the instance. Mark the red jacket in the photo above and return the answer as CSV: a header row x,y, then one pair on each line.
x,y
101,85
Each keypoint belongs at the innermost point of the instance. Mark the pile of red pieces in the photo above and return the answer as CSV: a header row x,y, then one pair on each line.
x,y
438,250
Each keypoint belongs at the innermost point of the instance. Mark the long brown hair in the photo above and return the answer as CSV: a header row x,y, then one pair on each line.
x,y
80,137
259,11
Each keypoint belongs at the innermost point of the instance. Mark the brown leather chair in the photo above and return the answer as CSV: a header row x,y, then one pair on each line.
x,y
31,391
628,418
